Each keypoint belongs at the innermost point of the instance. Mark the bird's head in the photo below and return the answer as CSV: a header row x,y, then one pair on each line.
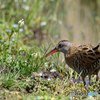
x,y
63,46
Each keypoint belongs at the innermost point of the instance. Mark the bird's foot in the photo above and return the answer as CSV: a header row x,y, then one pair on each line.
x,y
86,87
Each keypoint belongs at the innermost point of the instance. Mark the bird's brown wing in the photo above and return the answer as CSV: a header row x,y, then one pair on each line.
x,y
89,54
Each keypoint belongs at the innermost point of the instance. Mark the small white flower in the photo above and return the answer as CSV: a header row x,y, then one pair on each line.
x,y
46,64
43,23
52,70
49,79
13,39
34,54
40,74
15,25
26,7
21,22
21,30
20,48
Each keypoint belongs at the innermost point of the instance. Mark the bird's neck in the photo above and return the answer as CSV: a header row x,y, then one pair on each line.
x,y
72,50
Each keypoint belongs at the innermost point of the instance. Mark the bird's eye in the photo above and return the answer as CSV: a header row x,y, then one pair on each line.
x,y
60,46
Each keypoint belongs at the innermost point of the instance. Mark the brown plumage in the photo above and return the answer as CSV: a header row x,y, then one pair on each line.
x,y
84,59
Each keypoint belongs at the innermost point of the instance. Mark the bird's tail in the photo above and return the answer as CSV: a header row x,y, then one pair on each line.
x,y
97,51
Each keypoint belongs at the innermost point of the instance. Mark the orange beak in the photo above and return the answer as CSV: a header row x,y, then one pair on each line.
x,y
52,52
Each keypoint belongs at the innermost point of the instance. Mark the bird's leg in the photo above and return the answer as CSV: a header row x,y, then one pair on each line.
x,y
79,79
85,85
89,79
97,77
83,78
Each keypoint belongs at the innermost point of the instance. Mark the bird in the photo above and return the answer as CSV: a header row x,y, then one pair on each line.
x,y
83,59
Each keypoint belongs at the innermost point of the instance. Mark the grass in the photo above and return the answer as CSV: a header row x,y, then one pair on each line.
x,y
21,55
17,65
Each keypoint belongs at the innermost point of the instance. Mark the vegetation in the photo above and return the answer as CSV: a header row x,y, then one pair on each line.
x,y
26,28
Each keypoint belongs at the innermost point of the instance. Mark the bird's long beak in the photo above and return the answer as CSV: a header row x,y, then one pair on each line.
x,y
52,52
